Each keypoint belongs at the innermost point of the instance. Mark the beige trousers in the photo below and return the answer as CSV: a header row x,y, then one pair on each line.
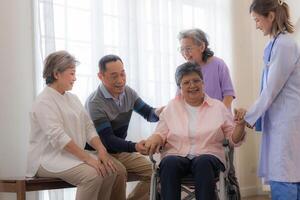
x,y
90,186
133,163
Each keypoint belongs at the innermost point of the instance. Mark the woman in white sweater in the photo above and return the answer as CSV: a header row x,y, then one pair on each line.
x,y
60,128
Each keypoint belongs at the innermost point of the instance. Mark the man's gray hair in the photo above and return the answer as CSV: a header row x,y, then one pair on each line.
x,y
199,37
185,69
55,62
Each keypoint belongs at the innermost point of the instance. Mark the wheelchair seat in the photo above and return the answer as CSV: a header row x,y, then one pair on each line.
x,y
224,190
188,186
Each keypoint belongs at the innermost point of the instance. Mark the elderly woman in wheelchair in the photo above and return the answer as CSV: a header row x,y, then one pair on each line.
x,y
191,131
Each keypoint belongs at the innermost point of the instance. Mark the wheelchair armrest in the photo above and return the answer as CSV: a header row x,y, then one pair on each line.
x,y
154,166
226,146
152,159
151,155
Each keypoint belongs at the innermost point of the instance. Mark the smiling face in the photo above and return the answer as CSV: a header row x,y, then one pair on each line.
x,y
264,23
191,51
192,89
114,78
64,80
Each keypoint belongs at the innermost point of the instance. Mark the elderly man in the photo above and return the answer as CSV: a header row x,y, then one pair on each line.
x,y
110,108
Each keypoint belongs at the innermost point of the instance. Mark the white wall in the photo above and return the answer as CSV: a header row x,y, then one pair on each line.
x,y
246,84
295,7
16,85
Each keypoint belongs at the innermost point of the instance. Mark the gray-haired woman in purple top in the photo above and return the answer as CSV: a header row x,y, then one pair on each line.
x,y
218,85
194,48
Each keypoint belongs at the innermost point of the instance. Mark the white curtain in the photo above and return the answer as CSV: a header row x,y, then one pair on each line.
x,y
142,32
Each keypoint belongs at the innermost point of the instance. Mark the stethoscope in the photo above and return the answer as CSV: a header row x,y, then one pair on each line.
x,y
269,57
267,63
258,124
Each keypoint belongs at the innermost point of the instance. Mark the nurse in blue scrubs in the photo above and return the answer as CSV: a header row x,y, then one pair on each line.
x,y
277,109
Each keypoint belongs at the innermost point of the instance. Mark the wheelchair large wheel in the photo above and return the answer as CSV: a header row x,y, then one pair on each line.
x,y
154,188
233,197
158,196
228,191
155,195
232,193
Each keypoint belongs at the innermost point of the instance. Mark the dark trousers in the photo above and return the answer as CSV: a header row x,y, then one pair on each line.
x,y
204,169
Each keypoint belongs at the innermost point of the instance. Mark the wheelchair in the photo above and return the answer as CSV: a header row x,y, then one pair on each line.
x,y
225,190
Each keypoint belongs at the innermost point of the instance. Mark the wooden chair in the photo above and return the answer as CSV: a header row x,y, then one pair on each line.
x,y
22,185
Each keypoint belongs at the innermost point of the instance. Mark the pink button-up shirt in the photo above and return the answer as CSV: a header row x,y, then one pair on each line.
x,y
215,124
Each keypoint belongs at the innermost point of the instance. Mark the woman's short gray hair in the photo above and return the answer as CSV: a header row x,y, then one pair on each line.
x,y
55,62
185,69
199,37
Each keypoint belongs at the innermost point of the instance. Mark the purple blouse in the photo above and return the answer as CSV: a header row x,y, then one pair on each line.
x,y
217,81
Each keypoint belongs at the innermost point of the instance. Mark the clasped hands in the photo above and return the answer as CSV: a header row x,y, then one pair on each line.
x,y
239,115
149,146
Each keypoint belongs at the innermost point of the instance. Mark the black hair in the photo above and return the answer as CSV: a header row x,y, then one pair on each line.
x,y
106,59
